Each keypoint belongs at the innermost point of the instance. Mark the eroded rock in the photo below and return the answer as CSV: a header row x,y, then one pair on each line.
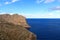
x,y
11,30
15,19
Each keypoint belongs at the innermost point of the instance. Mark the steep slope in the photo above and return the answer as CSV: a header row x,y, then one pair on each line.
x,y
10,31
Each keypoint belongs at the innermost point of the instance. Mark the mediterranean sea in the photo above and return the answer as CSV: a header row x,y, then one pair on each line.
x,y
45,29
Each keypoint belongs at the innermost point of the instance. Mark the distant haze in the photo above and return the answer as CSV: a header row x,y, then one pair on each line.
x,y
31,8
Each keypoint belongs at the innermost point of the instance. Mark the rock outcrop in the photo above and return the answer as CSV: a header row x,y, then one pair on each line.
x,y
15,19
11,31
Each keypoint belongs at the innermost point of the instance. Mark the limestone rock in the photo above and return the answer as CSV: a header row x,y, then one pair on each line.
x,y
15,19
9,31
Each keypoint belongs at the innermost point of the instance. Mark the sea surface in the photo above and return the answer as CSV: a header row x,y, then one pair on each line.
x,y
45,29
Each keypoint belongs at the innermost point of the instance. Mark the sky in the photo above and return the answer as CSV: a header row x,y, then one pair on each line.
x,y
31,8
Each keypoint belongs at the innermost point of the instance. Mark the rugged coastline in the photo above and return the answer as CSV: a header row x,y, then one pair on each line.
x,y
15,19
13,27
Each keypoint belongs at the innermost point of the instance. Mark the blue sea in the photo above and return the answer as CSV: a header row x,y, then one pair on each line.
x,y
45,29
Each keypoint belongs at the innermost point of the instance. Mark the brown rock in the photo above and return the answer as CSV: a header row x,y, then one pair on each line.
x,y
15,19
9,31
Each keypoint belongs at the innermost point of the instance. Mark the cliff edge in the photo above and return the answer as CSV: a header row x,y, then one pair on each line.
x,y
15,19
13,31
9,31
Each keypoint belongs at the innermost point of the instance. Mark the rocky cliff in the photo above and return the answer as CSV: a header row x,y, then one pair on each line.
x,y
15,19
13,31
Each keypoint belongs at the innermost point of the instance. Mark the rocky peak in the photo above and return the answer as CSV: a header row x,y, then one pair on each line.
x,y
15,19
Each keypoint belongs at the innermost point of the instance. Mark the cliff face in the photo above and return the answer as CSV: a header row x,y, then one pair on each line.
x,y
11,31
15,19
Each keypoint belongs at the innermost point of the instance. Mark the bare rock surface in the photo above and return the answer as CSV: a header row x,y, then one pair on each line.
x,y
11,31
15,19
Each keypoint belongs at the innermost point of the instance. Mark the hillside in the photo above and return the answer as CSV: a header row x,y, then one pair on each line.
x,y
11,31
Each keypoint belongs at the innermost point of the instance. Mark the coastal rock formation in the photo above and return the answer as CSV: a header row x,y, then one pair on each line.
x,y
11,31
15,19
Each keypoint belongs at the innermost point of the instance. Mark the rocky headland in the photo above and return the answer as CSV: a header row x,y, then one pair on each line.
x,y
15,19
13,27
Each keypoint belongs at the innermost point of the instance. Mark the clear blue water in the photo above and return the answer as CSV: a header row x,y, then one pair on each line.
x,y
45,29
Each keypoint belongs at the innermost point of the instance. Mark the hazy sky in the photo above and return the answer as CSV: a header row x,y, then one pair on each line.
x,y
32,8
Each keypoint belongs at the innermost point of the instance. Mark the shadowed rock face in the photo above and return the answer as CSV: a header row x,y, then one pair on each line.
x,y
10,31
15,19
